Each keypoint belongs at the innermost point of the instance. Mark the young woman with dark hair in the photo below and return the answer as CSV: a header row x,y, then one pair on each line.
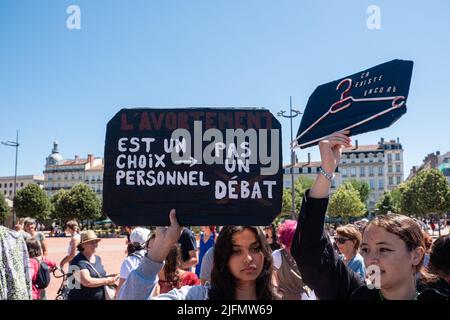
x,y
242,267
271,236
392,245
172,276
36,256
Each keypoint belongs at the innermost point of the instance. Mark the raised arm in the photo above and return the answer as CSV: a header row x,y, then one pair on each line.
x,y
320,267
141,281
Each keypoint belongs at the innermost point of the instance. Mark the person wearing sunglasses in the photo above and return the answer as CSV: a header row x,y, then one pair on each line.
x,y
348,239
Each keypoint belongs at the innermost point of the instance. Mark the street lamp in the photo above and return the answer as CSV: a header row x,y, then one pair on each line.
x,y
15,145
293,113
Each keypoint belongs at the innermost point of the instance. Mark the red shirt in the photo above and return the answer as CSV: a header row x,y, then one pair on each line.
x,y
186,279
34,267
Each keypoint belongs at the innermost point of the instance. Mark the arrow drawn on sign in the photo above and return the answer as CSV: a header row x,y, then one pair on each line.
x,y
192,161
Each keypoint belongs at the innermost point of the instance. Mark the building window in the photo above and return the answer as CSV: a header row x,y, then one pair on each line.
x,y
397,168
372,184
380,171
344,172
389,168
389,156
353,171
10,185
397,156
380,184
295,171
286,171
362,171
391,180
371,171
399,180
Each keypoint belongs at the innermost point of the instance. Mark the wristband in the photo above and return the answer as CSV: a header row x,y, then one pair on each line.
x,y
326,174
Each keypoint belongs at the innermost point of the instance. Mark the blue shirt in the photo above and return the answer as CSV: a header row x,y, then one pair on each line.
x,y
204,246
357,265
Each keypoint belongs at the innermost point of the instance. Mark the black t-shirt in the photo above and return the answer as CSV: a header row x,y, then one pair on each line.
x,y
85,293
187,242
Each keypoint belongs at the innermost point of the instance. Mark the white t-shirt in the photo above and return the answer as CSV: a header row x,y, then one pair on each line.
x,y
130,263
276,255
77,238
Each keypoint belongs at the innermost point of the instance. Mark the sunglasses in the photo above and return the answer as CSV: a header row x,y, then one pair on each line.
x,y
341,240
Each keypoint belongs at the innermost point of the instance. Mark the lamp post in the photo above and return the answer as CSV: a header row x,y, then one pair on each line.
x,y
15,145
292,114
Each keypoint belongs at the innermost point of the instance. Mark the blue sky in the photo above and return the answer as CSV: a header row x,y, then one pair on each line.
x,y
65,84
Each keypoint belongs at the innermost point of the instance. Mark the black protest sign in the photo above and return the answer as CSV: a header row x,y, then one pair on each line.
x,y
365,101
214,166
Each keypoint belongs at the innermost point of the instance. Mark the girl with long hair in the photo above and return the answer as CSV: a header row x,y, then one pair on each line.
x,y
392,245
242,267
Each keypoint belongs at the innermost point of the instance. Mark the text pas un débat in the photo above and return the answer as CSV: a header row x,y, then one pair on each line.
x,y
232,189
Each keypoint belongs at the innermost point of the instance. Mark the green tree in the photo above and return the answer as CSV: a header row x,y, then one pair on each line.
x,y
346,203
396,196
79,203
287,201
362,187
385,204
4,210
434,193
55,201
410,198
32,201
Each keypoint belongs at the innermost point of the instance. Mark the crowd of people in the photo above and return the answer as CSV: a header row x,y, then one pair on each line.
x,y
390,257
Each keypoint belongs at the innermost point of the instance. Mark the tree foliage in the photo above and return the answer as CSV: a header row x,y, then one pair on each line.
x,y
80,203
4,209
32,201
346,203
362,187
385,204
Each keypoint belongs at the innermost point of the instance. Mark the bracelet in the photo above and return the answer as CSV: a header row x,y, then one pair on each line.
x,y
326,174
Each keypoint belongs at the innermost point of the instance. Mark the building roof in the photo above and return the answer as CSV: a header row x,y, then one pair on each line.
x,y
24,177
73,162
363,148
96,168
312,164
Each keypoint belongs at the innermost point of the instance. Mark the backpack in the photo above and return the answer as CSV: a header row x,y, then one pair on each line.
x,y
43,275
